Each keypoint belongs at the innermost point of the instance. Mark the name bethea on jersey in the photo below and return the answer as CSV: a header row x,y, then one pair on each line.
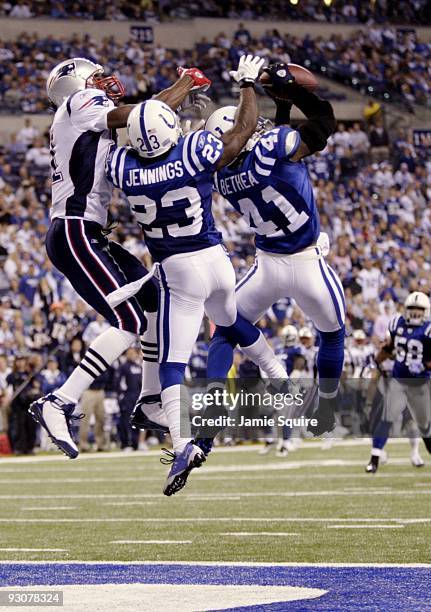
x,y
148,176
237,182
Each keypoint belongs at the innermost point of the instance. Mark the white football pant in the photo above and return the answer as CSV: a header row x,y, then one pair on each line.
x,y
192,284
303,276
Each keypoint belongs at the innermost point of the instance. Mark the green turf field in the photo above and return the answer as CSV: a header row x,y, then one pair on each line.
x,y
314,506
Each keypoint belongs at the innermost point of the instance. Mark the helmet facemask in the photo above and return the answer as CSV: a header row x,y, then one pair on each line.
x,y
415,315
111,85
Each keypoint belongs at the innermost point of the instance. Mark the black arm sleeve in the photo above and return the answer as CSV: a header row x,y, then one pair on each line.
x,y
320,122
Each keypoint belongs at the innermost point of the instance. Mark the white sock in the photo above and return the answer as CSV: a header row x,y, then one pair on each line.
x,y
101,353
414,445
150,364
171,402
262,355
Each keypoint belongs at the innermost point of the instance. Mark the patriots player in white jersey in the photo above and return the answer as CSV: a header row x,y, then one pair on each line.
x,y
410,343
82,133
168,181
270,186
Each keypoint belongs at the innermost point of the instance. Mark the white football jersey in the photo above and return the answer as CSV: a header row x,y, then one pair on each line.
x,y
80,142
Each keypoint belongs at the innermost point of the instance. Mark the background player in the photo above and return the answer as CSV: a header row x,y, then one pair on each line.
x,y
271,187
410,343
81,136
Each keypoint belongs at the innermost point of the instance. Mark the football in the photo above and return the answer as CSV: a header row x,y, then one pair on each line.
x,y
302,75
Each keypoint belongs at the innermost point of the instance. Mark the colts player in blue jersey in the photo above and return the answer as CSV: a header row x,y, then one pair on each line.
x,y
270,185
410,344
168,181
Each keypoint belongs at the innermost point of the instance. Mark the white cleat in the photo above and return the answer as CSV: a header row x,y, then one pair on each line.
x,y
268,446
55,416
417,460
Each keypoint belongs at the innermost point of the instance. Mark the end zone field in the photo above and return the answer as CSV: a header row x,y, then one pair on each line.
x,y
246,531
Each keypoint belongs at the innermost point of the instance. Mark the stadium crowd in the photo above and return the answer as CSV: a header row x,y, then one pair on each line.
x,y
394,64
335,11
373,195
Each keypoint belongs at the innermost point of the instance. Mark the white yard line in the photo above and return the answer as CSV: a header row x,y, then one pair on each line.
x,y
34,549
309,444
151,542
365,526
32,508
254,534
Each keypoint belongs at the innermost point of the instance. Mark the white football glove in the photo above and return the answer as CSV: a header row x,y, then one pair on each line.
x,y
248,69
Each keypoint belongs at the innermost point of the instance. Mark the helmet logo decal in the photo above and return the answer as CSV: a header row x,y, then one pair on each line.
x,y
67,70
165,120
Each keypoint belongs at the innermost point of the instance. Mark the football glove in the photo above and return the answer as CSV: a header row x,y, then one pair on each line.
x,y
248,69
200,81
280,78
196,100
186,126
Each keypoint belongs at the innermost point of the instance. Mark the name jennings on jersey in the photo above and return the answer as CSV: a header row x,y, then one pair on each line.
x,y
171,197
79,144
412,348
273,193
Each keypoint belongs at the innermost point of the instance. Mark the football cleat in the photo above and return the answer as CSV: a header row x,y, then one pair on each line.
x,y
325,417
182,464
205,444
140,420
269,444
282,451
55,417
417,460
373,465
427,442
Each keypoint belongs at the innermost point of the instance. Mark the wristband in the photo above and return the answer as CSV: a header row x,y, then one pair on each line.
x,y
243,84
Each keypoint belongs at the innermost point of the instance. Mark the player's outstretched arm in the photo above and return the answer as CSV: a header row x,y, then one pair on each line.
x,y
246,114
320,114
191,79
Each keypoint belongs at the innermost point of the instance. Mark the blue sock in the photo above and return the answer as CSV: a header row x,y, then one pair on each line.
x,y
171,373
220,353
330,359
381,434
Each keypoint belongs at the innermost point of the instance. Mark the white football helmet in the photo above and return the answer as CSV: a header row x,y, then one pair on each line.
x,y
417,308
79,73
359,335
153,128
223,119
290,335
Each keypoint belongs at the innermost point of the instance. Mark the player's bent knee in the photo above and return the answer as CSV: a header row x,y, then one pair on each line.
x,y
171,373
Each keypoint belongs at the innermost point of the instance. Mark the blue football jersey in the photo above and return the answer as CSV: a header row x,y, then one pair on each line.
x,y
171,197
274,194
412,348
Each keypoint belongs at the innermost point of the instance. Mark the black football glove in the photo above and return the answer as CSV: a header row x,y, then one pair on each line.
x,y
280,76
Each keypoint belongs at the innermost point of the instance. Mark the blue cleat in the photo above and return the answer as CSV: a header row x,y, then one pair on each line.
x,y
205,444
182,464
140,420
55,417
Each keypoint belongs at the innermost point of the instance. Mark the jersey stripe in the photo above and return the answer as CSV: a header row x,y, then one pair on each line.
x,y
261,170
194,154
112,168
122,159
186,160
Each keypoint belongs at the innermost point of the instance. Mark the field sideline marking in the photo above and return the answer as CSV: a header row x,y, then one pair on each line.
x,y
217,563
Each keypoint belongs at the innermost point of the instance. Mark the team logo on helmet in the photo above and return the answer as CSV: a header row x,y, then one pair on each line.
x,y
67,70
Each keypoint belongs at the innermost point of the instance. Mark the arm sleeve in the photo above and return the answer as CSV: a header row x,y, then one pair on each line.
x,y
88,110
320,122
203,150
114,167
